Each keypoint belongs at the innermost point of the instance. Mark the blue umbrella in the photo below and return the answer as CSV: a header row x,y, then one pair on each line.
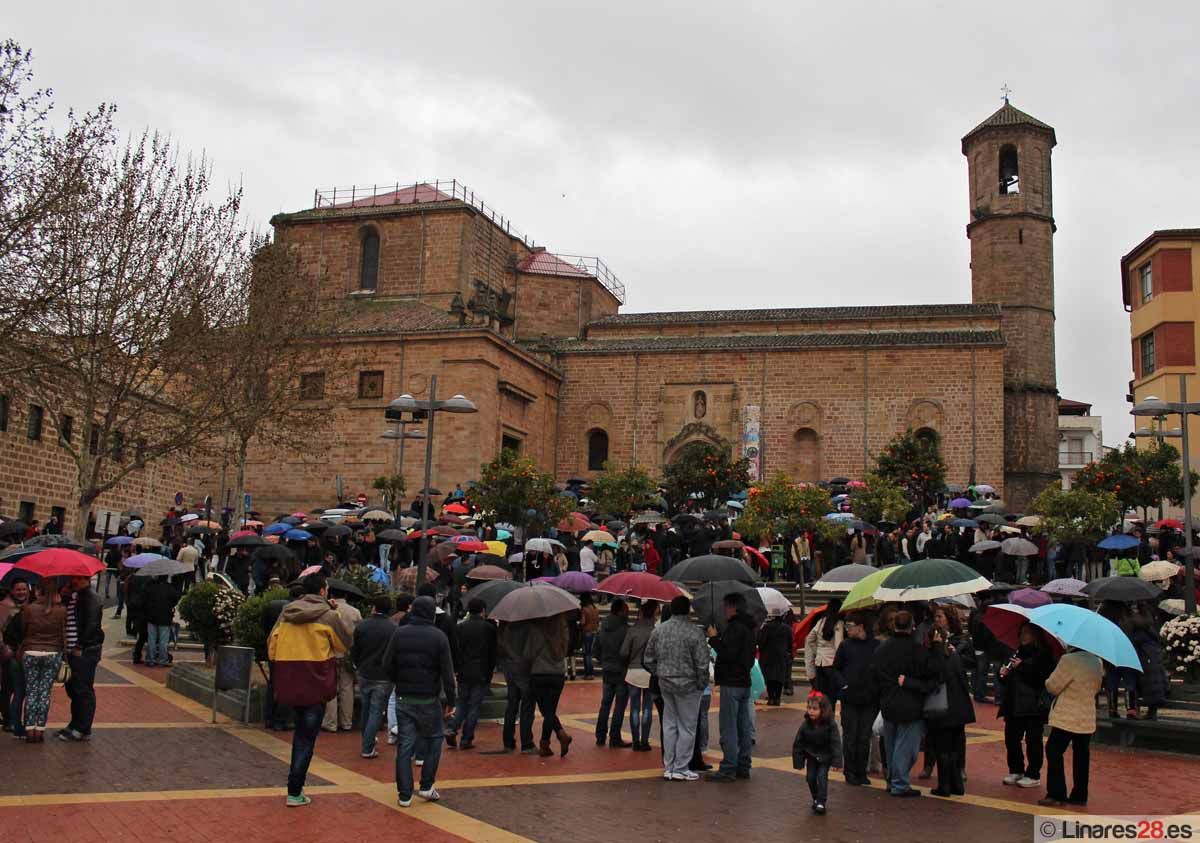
x,y
1118,542
297,535
1087,630
120,540
963,522
142,559
276,529
840,516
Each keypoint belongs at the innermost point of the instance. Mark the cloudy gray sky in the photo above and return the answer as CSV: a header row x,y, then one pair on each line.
x,y
734,155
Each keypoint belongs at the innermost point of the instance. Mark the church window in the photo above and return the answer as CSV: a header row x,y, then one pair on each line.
x,y
1148,354
927,436
1146,281
597,450
312,386
370,385
1010,177
806,456
368,275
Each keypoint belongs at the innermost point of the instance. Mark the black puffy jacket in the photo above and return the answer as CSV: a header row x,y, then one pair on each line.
x,y
607,648
852,670
904,656
476,651
735,652
1024,688
418,658
88,610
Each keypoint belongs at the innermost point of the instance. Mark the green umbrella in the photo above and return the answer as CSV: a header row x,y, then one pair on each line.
x,y
862,596
930,579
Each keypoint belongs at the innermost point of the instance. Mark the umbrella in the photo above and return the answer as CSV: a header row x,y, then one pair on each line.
x,y
959,503
709,568
709,602
774,600
291,520
13,528
496,548
543,545
455,509
842,578
1173,607
685,517
598,536
343,587
197,530
969,523
276,529
190,516
839,516
984,489
60,562
929,579
119,540
1029,521
297,535
533,603
317,526
492,591
165,568
640,584
241,533
992,518
1121,541
1010,531
503,535
755,556
377,515
1005,620
576,522
407,578
337,530
1078,627
1121,589
274,553
1066,586
1018,547
964,600
142,559
5,567
1030,598
862,595
53,540
397,536
311,569
576,582
649,517
471,545
728,544
430,492
489,572
886,526
248,540
1168,524
984,546
146,541
1160,570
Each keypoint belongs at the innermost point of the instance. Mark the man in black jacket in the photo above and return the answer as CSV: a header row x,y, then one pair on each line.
x,y
615,694
903,674
735,659
475,665
852,676
160,600
371,639
419,664
85,638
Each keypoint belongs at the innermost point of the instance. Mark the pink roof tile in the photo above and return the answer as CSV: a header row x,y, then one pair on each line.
x,y
541,262
417,194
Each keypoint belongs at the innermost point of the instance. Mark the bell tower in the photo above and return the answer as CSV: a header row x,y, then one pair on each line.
x,y
1011,230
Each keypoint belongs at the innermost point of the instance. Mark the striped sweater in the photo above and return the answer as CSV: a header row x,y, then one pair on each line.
x,y
308,637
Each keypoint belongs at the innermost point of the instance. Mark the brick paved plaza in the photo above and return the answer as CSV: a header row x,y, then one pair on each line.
x,y
157,770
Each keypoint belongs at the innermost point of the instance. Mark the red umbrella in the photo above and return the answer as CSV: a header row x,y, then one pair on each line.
x,y
1005,621
488,572
471,546
61,562
1172,523
455,509
241,533
641,585
801,628
576,522
757,558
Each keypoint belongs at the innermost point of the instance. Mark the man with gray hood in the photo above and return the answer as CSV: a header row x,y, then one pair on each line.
x,y
419,663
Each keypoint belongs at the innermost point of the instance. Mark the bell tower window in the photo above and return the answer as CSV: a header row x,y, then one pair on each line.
x,y
368,275
1010,176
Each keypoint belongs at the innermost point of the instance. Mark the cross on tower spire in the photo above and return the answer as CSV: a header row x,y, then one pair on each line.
x,y
1005,90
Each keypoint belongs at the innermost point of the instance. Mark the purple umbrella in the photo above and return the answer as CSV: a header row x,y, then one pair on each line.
x,y
142,559
576,582
959,503
1030,598
1067,587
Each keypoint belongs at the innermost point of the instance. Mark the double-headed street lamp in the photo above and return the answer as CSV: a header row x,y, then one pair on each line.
x,y
1155,406
421,410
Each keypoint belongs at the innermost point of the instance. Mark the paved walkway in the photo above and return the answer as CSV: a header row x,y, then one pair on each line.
x,y
158,770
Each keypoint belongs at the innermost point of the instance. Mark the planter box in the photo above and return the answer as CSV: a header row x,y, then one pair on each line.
x,y
195,681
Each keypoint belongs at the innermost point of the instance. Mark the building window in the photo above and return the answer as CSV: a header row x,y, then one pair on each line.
x,y
25,512
370,385
3,413
927,437
1146,282
93,439
66,430
597,450
1148,356
312,386
118,446
368,274
1010,177
36,417
510,443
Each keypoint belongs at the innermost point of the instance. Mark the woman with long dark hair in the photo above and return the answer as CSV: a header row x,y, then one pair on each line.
x,y
42,627
546,647
820,649
1025,706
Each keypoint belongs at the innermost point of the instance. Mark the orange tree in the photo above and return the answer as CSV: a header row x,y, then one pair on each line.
x,y
1139,478
511,490
780,507
879,499
619,491
914,463
708,471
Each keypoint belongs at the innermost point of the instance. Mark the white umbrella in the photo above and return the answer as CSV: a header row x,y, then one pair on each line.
x,y
983,546
774,600
1029,521
1019,547
1159,570
191,516
543,545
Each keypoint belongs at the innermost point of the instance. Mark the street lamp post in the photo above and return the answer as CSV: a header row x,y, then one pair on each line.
x,y
1154,406
407,404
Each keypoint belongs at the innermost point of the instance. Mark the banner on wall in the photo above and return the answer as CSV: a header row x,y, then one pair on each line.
x,y
751,441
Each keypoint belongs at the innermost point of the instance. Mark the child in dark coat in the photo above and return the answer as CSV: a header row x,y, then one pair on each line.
x,y
818,746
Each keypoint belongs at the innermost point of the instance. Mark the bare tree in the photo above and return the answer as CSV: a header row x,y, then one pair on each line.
x,y
149,268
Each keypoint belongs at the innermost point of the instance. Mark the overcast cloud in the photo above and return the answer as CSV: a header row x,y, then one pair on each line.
x,y
742,155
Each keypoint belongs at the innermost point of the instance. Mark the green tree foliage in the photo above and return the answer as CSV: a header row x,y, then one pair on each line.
x,y
707,470
392,488
780,507
1076,514
1138,477
512,490
914,463
248,625
879,500
620,491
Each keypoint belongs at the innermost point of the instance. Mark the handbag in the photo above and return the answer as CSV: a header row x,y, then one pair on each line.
x,y
937,702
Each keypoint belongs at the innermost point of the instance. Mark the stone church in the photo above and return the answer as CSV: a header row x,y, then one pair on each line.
x,y
434,282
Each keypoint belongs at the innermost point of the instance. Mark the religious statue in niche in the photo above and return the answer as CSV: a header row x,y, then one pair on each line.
x,y
699,404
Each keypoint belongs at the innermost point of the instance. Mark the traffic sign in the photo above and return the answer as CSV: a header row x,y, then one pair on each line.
x,y
179,498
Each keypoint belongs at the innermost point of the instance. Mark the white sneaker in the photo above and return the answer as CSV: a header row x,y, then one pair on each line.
x,y
685,776
1025,781
1013,778
393,738
404,803
420,762
666,775
430,795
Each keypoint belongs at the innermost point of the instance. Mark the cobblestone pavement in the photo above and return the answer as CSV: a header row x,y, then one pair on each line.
x,y
156,769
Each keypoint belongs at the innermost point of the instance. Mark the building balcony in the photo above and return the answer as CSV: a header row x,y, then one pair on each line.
x,y
1075,459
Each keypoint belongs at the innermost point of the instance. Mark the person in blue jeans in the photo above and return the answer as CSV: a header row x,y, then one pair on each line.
x,y
160,599
615,694
372,636
477,652
735,647
420,665
637,678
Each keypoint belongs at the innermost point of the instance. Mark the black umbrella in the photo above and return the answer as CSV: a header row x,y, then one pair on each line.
x,y
317,526
708,602
345,588
391,536
338,530
1122,589
274,553
201,531
13,528
839,481
53,540
19,573
433,493
249,541
493,559
710,568
715,515
491,591
684,518
12,554
886,526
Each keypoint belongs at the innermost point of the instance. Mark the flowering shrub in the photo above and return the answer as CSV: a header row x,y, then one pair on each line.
x,y
1181,644
210,611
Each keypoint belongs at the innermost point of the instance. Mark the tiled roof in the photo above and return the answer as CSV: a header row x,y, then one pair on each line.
x,y
1155,236
804,314
541,262
1007,115
386,316
417,194
773,342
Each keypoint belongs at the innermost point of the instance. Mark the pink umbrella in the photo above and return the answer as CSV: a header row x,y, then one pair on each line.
x,y
241,533
5,567
1030,598
311,569
299,515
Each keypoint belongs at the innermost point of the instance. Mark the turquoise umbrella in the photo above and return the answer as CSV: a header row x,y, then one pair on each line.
x,y
1087,630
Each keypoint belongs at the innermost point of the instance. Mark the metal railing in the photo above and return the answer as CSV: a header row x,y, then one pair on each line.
x,y
1075,457
598,269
